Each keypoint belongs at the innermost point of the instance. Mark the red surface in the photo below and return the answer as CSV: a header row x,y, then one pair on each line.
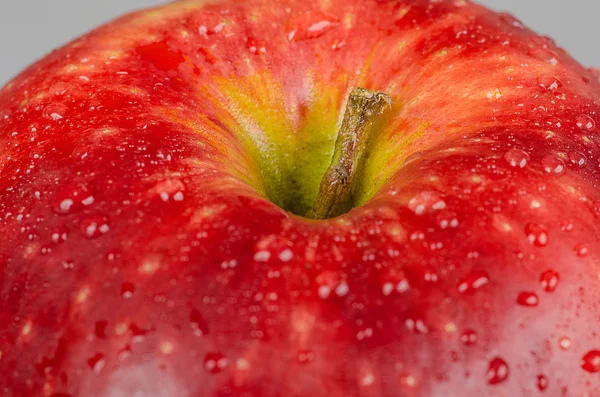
x,y
137,257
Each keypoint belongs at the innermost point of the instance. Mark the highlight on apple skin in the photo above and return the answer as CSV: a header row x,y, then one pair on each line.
x,y
164,179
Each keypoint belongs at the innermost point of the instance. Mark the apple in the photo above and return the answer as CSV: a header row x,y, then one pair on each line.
x,y
301,198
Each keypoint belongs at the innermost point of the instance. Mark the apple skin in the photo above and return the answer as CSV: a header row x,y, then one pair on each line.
x,y
145,169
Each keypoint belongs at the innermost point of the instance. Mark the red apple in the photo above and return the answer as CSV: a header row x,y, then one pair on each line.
x,y
157,177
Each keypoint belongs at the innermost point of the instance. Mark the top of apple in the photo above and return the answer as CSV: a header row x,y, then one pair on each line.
x,y
157,177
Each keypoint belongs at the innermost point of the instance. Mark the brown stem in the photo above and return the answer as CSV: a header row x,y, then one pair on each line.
x,y
363,109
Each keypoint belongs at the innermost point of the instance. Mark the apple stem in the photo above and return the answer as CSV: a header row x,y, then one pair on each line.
x,y
335,193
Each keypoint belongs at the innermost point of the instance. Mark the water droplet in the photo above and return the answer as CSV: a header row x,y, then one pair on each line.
x,y
553,165
416,325
430,275
511,20
497,371
528,298
327,282
170,189
310,25
564,343
262,256
46,249
59,235
342,289
68,264
585,123
425,202
591,361
97,362
94,227
286,255
447,219
469,337
337,44
164,154
544,54
407,380
58,88
536,234
549,83
577,159
567,226
55,111
161,55
581,250
473,282
256,46
549,280
306,356
72,199
516,158
394,280
215,362
127,290
542,382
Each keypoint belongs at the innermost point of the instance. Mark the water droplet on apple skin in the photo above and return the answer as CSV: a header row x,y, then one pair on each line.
x,y
94,227
327,284
553,165
549,83
416,325
161,56
59,88
68,264
72,199
590,362
537,234
425,202
310,25
549,280
215,362
256,47
59,235
468,337
511,20
517,158
581,250
55,111
542,382
474,281
306,356
394,281
528,299
447,219
567,226
564,343
577,159
170,190
497,372
585,123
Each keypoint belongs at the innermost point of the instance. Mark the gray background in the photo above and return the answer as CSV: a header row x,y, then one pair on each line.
x,y
31,28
